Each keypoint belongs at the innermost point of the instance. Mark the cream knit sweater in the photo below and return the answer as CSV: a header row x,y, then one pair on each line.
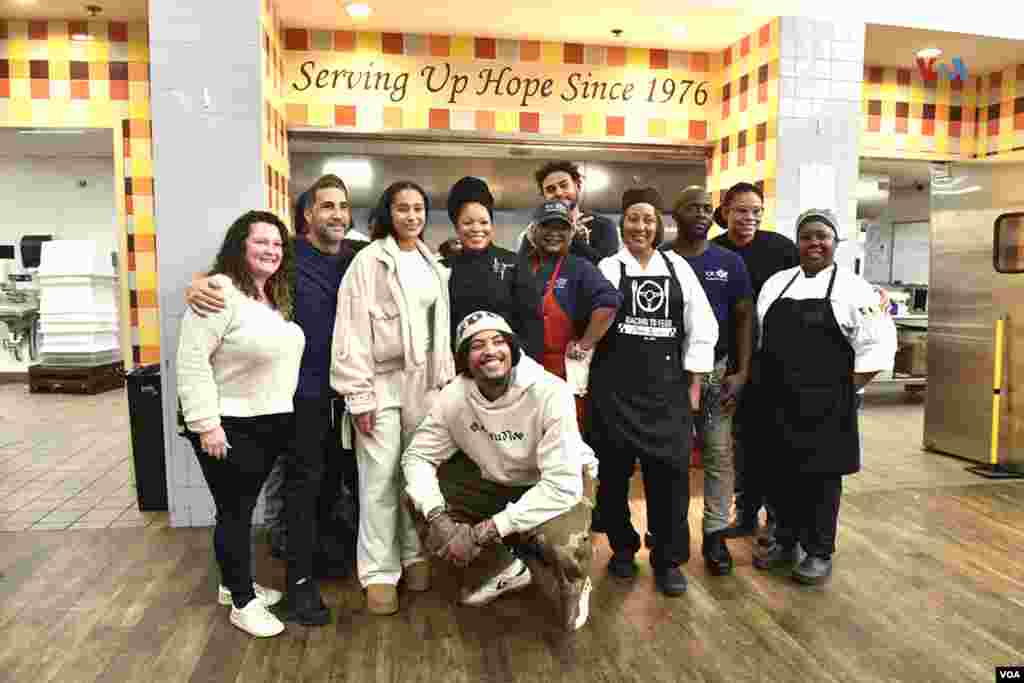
x,y
241,362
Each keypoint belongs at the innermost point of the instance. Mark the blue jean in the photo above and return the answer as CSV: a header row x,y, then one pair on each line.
x,y
715,429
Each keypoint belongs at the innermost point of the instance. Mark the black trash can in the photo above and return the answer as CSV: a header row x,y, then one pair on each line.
x,y
146,412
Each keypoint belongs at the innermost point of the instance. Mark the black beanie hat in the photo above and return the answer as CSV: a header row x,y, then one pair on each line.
x,y
641,195
469,189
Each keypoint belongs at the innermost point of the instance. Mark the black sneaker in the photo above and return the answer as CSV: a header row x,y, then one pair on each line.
x,y
716,554
813,570
622,565
778,556
303,605
671,581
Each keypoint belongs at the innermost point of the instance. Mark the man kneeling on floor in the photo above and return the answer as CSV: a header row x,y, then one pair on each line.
x,y
499,464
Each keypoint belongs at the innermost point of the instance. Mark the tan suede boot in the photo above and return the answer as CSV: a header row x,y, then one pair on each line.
x,y
417,577
381,599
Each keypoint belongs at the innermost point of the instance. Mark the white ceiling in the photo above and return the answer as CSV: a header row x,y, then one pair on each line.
x,y
680,25
114,10
91,142
706,24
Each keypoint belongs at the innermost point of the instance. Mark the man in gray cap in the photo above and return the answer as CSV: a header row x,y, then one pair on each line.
x,y
499,463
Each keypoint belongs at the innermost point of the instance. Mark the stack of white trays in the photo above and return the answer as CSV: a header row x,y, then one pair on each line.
x,y
78,305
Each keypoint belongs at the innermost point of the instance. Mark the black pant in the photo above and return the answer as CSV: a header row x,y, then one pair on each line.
x,y
235,483
667,494
807,510
752,482
313,474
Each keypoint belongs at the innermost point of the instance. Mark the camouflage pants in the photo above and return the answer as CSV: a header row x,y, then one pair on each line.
x,y
558,552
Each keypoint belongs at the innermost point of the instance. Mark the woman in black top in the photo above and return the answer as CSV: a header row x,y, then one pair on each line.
x,y
483,274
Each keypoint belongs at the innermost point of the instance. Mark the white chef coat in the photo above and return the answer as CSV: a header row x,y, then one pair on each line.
x,y
869,329
700,327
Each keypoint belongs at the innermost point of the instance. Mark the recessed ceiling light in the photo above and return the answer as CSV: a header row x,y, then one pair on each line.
x,y
358,10
929,53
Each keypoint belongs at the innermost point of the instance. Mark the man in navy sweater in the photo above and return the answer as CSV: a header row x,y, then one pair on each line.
x,y
313,466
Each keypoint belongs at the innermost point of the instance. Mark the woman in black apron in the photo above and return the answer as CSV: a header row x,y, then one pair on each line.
x,y
641,395
809,394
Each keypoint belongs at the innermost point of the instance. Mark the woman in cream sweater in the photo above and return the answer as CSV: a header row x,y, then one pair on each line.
x,y
391,354
237,373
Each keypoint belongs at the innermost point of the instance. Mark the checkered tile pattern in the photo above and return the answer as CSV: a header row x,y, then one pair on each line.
x,y
748,86
1000,112
276,169
906,115
589,123
95,74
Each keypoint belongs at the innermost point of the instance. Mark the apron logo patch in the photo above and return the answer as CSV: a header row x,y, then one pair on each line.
x,y
650,296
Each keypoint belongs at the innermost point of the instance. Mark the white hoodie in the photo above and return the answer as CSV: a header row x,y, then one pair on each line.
x,y
528,437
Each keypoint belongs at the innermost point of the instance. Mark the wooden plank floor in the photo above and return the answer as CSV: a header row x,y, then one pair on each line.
x,y
928,586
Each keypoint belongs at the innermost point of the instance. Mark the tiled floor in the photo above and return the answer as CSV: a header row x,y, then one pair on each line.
x,y
65,462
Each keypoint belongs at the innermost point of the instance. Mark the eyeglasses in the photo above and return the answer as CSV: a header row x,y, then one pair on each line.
x,y
753,212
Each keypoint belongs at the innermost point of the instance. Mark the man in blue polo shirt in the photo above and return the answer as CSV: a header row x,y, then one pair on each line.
x,y
727,285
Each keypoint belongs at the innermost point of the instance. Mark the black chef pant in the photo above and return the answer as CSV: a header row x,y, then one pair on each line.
x,y
807,510
667,494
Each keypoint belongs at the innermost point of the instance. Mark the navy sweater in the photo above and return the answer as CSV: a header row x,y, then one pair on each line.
x,y
317,278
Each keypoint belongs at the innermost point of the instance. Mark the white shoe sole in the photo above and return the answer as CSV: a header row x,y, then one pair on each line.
x,y
269,632
268,596
481,597
255,620
584,606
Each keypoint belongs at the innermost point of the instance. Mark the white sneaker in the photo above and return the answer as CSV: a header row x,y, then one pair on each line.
x,y
577,605
512,578
256,620
268,596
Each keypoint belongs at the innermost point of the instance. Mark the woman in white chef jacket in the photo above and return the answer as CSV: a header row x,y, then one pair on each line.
x,y
823,337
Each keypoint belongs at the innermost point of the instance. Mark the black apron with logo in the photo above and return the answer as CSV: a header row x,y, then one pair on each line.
x,y
638,396
808,409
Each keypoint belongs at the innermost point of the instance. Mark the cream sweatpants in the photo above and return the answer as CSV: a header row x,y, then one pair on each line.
x,y
387,537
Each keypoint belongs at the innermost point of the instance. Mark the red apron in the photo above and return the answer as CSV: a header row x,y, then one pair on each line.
x,y
558,332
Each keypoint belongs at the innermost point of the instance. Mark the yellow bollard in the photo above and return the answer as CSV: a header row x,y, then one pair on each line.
x,y
993,469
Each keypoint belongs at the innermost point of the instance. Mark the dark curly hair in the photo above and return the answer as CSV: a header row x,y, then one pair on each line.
x,y
554,167
231,261
381,224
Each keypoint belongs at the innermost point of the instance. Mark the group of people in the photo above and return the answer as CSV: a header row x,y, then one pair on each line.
x,y
493,398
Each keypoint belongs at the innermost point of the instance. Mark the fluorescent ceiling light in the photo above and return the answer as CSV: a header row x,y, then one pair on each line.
x,y
929,53
596,179
51,131
869,189
358,10
962,190
355,172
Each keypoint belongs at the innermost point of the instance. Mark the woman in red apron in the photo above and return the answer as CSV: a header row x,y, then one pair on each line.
x,y
823,338
565,304
644,383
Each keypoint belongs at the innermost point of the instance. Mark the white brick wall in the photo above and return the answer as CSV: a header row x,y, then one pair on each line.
x,y
821,72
